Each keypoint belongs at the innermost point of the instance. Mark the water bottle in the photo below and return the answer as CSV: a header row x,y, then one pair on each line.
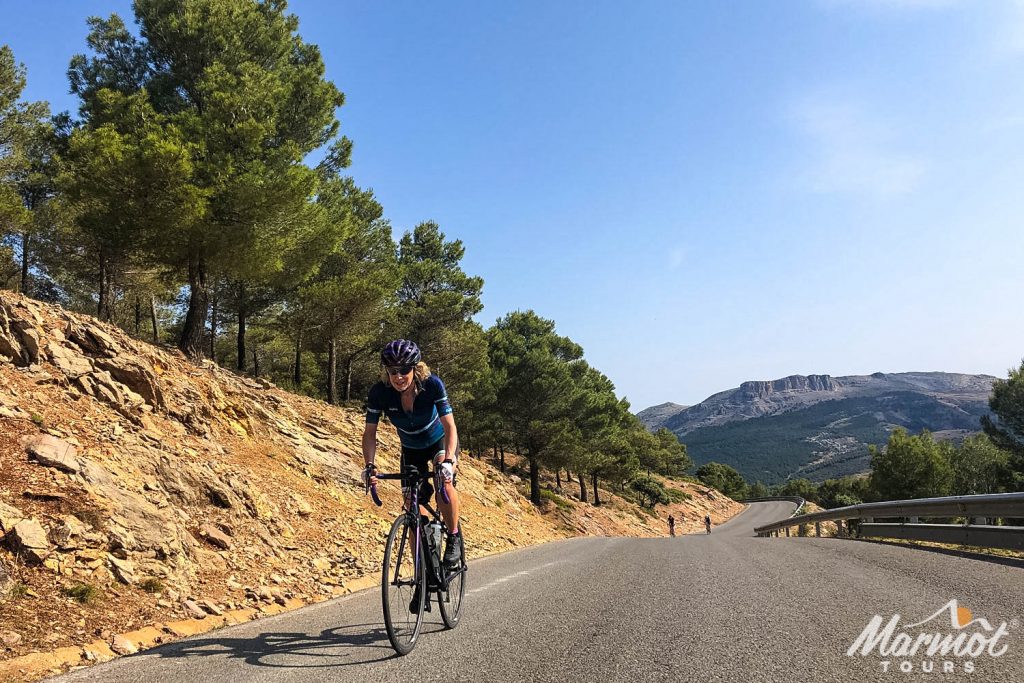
x,y
434,544
434,532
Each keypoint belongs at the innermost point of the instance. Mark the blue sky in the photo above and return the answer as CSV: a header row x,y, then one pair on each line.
x,y
698,193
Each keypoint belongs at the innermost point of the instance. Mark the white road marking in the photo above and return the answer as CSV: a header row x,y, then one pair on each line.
x,y
503,579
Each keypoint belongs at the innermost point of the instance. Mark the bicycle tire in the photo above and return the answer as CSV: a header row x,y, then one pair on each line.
x,y
398,586
450,601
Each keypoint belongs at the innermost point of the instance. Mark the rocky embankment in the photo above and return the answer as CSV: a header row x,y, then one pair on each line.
x,y
141,495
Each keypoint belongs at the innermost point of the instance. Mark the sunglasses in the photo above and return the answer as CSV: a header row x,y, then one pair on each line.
x,y
400,370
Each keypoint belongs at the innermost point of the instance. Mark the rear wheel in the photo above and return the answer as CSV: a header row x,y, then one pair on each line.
x,y
403,586
450,600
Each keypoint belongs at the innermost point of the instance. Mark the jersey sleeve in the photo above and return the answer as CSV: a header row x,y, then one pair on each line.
x,y
374,405
439,395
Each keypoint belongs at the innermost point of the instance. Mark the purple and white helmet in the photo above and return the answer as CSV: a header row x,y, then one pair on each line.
x,y
400,352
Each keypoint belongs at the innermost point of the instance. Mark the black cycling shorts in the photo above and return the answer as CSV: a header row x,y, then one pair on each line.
x,y
422,459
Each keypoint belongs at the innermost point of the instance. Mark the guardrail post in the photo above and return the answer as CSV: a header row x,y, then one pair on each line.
x,y
914,520
839,529
817,529
978,520
787,532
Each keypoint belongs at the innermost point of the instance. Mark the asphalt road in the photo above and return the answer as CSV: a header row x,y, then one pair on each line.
x,y
724,607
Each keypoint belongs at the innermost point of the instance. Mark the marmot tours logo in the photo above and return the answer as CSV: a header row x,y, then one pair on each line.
x,y
950,640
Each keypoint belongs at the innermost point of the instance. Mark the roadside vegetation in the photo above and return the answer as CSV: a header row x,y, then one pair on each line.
x,y
178,203
915,465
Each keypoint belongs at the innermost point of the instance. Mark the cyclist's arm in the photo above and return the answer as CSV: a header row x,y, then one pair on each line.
x,y
451,437
369,443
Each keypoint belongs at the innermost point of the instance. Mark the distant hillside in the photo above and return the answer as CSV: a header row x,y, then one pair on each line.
x,y
655,416
818,426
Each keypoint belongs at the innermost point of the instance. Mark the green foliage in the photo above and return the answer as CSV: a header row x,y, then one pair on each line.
x,y
724,478
152,585
28,150
677,496
1005,427
979,466
558,500
436,303
84,593
758,490
19,590
774,447
224,99
911,467
38,420
798,487
534,388
650,491
837,493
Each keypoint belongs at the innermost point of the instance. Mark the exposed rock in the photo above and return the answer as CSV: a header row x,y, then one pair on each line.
x,y
215,536
193,610
123,646
10,638
91,339
50,451
6,582
212,608
302,506
9,516
73,365
123,570
136,374
29,539
66,534
19,342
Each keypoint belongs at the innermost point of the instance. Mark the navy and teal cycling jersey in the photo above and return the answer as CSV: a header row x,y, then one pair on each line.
x,y
420,428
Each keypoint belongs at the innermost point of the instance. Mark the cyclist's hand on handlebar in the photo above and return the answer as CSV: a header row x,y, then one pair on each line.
x,y
447,469
369,476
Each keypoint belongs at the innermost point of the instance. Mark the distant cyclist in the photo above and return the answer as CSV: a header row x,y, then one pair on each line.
x,y
707,523
671,525
416,402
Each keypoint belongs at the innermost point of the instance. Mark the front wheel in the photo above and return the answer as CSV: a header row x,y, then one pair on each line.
x,y
450,600
403,586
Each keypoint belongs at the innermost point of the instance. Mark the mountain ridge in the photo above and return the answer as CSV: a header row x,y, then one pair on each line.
x,y
819,425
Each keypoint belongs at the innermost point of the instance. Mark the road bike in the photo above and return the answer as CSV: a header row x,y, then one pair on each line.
x,y
413,571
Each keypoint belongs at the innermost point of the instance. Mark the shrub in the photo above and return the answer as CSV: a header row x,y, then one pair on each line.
x,y
38,420
152,585
556,499
677,496
84,593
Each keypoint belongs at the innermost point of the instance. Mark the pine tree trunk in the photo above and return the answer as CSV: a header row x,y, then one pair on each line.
x,y
241,338
26,240
297,376
103,307
558,478
502,461
255,363
597,497
534,481
332,372
191,340
138,315
583,487
152,317
213,329
348,378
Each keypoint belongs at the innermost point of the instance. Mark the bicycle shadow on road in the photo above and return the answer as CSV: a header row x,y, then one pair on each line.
x,y
334,647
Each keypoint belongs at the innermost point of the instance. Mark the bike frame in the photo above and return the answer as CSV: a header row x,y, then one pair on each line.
x,y
412,477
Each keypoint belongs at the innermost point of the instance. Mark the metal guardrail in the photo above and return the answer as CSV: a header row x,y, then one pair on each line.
x,y
975,509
